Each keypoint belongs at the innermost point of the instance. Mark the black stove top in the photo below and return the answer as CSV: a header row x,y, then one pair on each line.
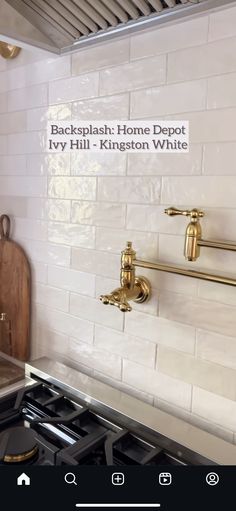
x,y
40,425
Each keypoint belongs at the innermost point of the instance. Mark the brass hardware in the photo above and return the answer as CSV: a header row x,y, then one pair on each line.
x,y
193,231
9,51
132,287
11,458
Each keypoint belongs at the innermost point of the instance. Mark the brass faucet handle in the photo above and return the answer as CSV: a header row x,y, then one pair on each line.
x,y
118,299
194,213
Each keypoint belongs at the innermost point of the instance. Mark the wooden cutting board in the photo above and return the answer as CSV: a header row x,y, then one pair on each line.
x,y
14,295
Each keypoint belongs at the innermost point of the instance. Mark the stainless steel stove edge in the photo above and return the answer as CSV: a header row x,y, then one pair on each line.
x,y
105,397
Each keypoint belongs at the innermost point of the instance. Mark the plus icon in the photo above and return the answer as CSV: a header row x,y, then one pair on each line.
x,y
118,478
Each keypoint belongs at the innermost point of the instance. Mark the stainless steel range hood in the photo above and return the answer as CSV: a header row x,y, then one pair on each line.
x,y
64,25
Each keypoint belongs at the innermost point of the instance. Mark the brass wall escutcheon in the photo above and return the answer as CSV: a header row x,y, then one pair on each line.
x,y
9,51
132,288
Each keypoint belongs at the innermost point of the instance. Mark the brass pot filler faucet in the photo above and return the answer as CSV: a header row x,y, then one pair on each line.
x,y
138,289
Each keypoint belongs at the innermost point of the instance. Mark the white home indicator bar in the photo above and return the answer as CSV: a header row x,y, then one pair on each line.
x,y
119,505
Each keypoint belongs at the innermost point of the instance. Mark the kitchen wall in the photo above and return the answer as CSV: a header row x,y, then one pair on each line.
x,y
73,213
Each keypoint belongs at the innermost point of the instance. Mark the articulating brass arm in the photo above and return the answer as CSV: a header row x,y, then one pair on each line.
x,y
193,235
132,287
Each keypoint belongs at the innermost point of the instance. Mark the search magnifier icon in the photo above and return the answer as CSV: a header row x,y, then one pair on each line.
x,y
70,478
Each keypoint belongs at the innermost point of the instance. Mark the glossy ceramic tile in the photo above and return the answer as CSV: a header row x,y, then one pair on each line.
x,y
71,234
129,189
92,356
222,24
93,310
107,107
136,75
214,408
219,349
13,165
29,97
219,159
98,164
151,164
174,37
57,164
70,89
170,99
99,56
71,280
72,187
104,214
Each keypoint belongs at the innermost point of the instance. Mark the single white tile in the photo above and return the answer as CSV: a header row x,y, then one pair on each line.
x,y
210,125
27,143
169,99
166,164
209,376
216,348
222,24
221,91
157,384
72,188
29,97
209,59
48,209
93,357
48,164
135,75
129,189
98,164
166,39
71,280
52,297
93,261
23,186
212,316
12,122
48,69
70,89
107,214
65,323
219,159
71,234
52,344
13,165
38,118
218,191
161,331
30,229
217,292
107,107
99,56
93,310
127,346
48,253
214,408
114,240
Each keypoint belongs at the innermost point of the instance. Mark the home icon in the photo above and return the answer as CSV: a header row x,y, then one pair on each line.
x,y
23,480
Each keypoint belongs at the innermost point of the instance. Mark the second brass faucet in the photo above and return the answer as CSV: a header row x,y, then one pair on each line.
x,y
193,231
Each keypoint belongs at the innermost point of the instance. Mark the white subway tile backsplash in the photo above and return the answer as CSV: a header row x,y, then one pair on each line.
x,y
23,186
127,346
48,253
198,191
72,187
93,310
52,297
106,108
70,89
106,214
132,189
12,122
219,159
49,209
174,37
71,280
29,97
13,165
210,59
71,234
99,56
91,356
161,331
57,164
214,408
208,315
114,240
158,384
151,164
218,349
38,118
3,101
211,377
98,164
91,261
221,91
168,99
14,206
30,229
135,75
65,323
222,24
